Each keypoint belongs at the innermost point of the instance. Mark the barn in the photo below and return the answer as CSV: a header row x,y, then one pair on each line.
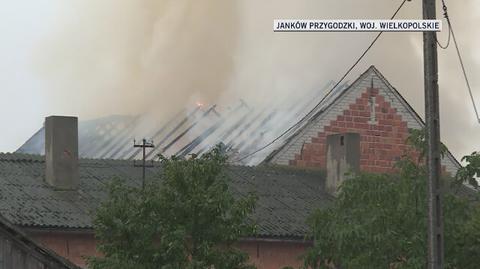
x,y
367,121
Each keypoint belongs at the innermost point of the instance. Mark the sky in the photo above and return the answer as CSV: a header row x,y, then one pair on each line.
x,y
94,58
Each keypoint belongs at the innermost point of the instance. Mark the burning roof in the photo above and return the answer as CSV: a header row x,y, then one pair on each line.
x,y
241,128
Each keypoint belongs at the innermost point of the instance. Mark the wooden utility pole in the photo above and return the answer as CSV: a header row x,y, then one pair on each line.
x,y
432,119
145,144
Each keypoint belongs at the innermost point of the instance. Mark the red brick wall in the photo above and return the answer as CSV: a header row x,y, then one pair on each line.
x,y
274,255
381,143
73,246
265,255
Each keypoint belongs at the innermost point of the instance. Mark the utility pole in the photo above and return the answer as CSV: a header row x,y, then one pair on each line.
x,y
432,119
145,144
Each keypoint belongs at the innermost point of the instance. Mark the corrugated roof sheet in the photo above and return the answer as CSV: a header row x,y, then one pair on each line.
x,y
286,196
240,127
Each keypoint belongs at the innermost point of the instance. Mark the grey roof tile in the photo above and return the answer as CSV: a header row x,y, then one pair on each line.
x,y
286,196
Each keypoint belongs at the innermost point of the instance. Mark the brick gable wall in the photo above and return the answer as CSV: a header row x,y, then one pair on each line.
x,y
382,134
382,142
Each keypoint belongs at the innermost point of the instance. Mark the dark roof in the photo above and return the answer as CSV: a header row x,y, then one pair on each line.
x,y
286,195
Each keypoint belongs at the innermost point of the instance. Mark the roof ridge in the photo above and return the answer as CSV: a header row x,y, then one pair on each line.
x,y
14,156
27,157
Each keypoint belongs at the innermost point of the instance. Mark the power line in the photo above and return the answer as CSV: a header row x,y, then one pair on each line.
x,y
467,82
327,94
445,14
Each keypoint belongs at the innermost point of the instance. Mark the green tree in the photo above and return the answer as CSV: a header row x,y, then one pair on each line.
x,y
189,219
470,173
379,221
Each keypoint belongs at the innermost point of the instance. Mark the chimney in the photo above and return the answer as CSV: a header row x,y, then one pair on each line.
x,y
343,156
61,152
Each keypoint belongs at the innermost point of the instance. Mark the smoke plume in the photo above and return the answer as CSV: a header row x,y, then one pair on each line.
x,y
129,57
159,56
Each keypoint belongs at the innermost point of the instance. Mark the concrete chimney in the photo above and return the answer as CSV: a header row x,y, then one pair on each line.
x,y
61,152
343,156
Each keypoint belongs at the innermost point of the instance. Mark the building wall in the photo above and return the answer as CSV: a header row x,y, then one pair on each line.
x,y
72,245
382,134
264,254
20,253
274,255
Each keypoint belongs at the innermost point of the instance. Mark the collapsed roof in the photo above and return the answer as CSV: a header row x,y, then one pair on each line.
x,y
241,128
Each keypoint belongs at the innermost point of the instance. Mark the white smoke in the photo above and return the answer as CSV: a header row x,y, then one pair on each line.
x,y
151,56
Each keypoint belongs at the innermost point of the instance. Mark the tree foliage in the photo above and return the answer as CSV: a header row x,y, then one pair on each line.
x,y
379,221
470,173
189,219
417,139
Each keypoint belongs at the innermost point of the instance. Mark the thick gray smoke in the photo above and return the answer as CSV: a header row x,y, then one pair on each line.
x,y
160,56
126,56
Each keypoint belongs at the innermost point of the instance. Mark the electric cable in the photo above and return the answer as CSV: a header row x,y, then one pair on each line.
x,y
467,82
445,15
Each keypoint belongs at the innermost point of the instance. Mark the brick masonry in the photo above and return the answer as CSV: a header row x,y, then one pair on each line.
x,y
73,246
382,134
76,246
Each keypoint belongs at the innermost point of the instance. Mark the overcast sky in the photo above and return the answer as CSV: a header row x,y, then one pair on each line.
x,y
92,58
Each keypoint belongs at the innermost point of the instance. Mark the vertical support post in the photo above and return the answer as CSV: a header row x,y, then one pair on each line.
x,y
432,118
143,163
145,144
